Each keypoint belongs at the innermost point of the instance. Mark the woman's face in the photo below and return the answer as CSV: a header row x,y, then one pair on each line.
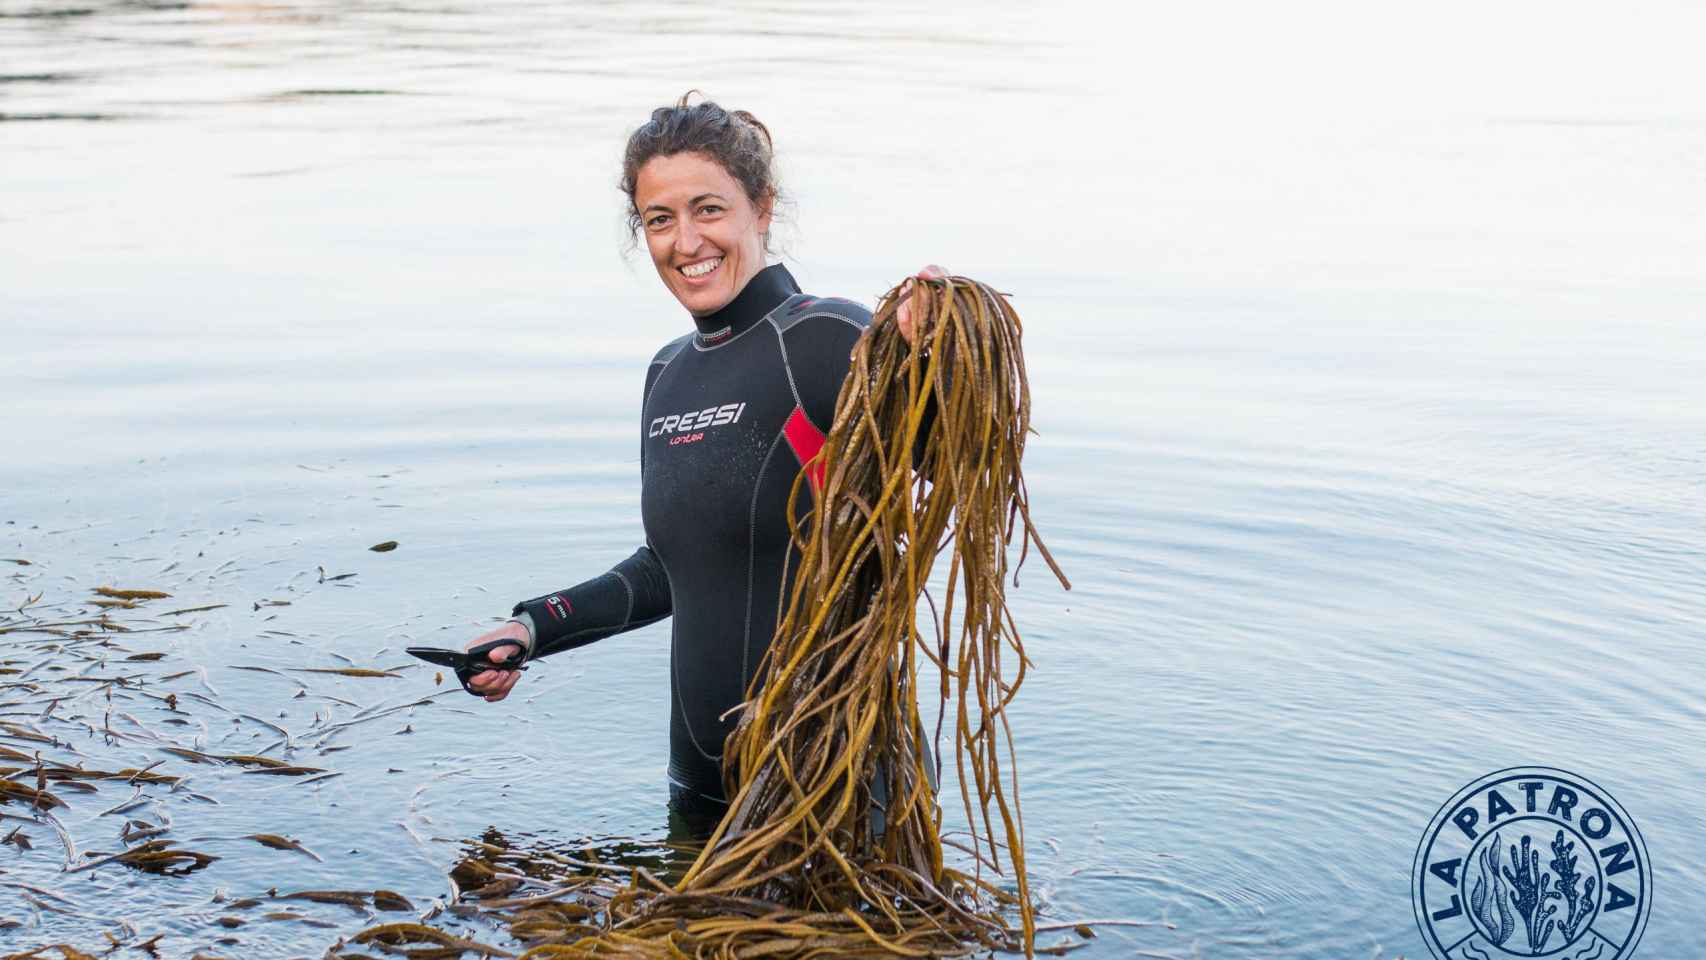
x,y
706,238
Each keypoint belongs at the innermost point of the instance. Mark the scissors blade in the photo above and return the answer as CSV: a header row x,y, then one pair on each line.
x,y
453,659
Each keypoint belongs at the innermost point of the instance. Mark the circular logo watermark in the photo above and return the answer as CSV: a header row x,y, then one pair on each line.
x,y
1532,862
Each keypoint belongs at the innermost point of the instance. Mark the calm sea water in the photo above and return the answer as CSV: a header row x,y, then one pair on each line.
x,y
1365,358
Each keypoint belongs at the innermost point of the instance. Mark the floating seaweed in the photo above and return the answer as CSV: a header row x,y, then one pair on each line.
x,y
349,898
159,856
356,900
128,774
23,733
36,797
391,901
66,951
134,830
240,759
118,594
277,842
404,934
211,606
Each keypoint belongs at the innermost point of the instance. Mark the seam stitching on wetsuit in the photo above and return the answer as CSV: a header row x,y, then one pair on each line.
x,y
627,618
647,399
824,313
788,371
691,789
751,561
627,615
686,723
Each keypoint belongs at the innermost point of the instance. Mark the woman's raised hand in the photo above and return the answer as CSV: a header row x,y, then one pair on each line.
x,y
903,316
494,685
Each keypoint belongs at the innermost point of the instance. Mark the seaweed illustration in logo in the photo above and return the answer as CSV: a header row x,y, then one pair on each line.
x,y
1489,894
1579,908
1531,889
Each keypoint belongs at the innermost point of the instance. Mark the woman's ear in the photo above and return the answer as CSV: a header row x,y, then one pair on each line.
x,y
766,209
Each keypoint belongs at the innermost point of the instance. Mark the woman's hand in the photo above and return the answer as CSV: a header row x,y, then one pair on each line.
x,y
494,685
903,316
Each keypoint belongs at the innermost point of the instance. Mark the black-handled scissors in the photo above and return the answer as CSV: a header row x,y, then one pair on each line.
x,y
468,662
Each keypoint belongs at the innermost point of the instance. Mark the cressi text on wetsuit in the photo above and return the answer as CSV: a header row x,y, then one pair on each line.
x,y
731,412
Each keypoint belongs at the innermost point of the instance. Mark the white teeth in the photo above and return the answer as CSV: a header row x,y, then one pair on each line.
x,y
702,268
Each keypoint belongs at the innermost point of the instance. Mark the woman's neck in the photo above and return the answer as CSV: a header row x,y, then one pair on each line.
x,y
766,289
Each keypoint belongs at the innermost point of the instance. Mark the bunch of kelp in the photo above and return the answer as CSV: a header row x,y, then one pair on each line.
x,y
924,453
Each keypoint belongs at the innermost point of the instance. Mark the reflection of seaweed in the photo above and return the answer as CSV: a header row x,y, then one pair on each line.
x,y
1486,896
1578,908
1532,890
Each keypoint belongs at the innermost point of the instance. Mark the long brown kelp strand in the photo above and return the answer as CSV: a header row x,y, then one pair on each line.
x,y
798,867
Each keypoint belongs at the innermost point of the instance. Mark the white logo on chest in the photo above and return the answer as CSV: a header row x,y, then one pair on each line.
x,y
696,419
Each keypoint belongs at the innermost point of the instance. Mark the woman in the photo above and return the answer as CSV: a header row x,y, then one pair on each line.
x,y
730,413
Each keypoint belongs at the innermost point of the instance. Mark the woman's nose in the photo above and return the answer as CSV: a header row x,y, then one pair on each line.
x,y
686,237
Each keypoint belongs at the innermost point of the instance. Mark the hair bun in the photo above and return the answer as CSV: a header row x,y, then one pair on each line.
x,y
746,117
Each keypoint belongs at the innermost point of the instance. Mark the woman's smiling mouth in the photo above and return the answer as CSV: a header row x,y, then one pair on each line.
x,y
696,271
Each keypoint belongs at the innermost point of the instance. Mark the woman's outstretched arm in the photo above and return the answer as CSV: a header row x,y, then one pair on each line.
x,y
629,595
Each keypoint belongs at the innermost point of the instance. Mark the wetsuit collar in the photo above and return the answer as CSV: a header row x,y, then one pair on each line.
x,y
767,288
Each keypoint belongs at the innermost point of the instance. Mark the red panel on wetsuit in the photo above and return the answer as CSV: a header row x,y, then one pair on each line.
x,y
806,441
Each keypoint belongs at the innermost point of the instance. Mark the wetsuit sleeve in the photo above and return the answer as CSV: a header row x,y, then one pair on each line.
x,y
631,594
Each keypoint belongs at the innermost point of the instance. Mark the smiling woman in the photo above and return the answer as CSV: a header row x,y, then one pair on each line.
x,y
731,412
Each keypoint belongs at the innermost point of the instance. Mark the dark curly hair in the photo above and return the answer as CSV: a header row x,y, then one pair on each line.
x,y
733,138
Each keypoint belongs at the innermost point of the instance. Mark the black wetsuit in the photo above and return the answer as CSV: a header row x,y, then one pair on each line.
x,y
730,414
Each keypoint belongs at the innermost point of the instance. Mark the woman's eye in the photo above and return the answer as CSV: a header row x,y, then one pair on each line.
x,y
710,208
656,222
